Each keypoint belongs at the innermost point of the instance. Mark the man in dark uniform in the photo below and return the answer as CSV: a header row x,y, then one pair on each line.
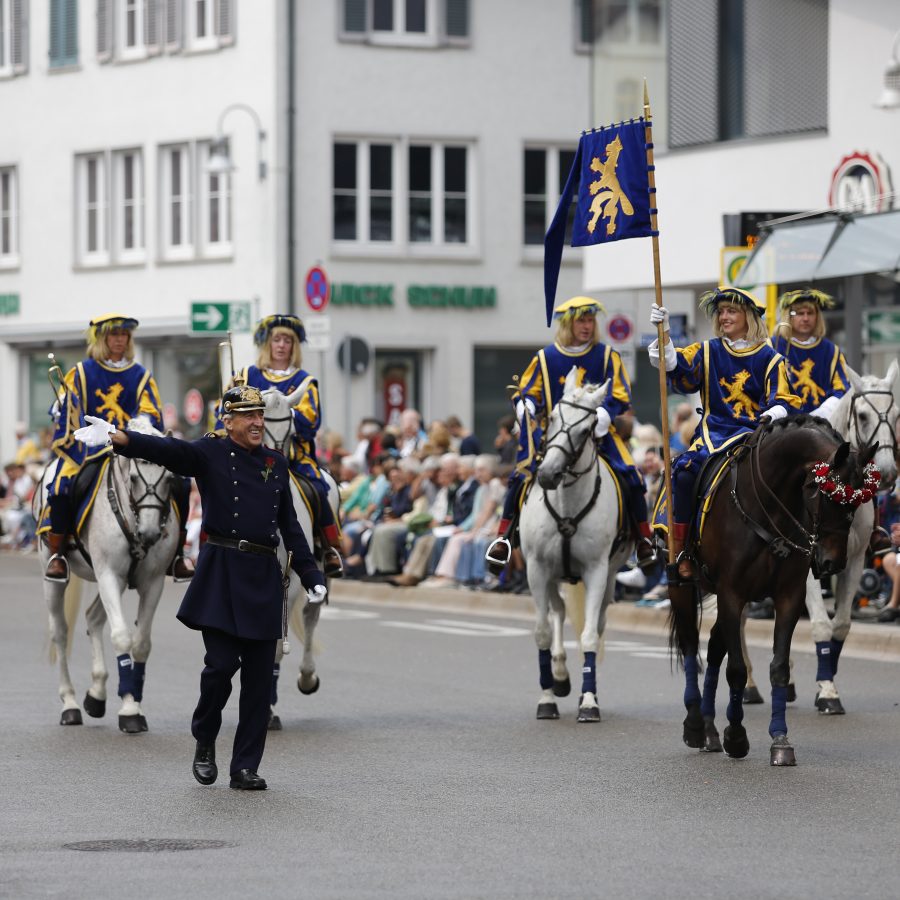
x,y
235,597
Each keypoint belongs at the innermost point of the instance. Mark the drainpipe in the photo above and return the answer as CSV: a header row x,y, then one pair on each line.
x,y
291,135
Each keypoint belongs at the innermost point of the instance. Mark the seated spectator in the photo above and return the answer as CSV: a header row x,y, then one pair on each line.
x,y
889,517
27,450
17,523
389,531
457,562
461,439
465,494
438,441
412,436
368,443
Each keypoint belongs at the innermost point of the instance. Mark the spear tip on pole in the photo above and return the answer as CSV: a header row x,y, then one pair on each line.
x,y
646,94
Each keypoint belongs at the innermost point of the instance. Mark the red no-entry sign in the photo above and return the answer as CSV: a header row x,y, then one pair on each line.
x,y
317,289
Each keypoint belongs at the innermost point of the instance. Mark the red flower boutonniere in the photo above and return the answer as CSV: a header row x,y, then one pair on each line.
x,y
267,471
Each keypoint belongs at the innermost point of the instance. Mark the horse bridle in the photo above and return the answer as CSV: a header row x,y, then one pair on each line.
x,y
573,451
883,419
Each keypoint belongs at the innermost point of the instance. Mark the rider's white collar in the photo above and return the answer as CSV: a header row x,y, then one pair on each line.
x,y
739,344
805,342
580,348
120,364
282,372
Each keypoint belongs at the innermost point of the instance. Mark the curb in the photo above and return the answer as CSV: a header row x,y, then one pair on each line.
x,y
866,640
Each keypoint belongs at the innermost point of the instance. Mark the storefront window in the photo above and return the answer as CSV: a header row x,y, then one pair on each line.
x,y
180,373
398,380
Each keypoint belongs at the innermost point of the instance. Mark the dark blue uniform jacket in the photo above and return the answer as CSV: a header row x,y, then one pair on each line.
x,y
246,496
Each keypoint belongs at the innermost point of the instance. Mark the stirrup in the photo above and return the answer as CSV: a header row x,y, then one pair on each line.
x,y
498,555
178,579
646,563
332,564
675,578
65,562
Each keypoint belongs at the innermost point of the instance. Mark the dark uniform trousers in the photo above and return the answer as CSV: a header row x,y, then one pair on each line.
x,y
225,654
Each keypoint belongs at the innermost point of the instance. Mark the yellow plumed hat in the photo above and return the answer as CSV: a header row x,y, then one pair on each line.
x,y
575,307
806,295
101,325
724,294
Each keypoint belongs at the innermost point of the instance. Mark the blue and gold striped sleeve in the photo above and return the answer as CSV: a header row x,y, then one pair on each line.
x,y
687,376
307,415
149,403
618,398
531,384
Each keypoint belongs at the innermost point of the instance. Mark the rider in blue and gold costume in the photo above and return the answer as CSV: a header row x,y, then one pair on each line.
x,y
741,380
111,385
540,389
279,366
816,367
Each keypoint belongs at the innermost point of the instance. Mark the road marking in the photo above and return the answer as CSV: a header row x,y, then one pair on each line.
x,y
461,628
337,614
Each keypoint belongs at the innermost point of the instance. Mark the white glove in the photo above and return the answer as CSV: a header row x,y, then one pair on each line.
x,y
774,413
601,429
659,314
671,356
96,434
522,405
319,594
826,409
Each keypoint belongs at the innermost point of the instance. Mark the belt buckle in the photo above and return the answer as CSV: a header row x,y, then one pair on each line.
x,y
244,546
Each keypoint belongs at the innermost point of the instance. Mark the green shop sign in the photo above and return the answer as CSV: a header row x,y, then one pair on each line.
x,y
9,304
362,295
458,297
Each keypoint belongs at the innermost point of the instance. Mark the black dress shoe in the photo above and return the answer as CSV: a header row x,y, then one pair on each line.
x,y
205,769
247,780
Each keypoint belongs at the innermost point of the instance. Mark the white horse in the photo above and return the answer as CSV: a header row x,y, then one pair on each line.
x,y
568,529
128,540
279,426
865,414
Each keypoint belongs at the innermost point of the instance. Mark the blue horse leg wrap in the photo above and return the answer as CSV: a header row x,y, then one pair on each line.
x,y
139,672
276,671
546,669
735,711
691,682
710,683
778,724
589,674
836,647
823,655
126,674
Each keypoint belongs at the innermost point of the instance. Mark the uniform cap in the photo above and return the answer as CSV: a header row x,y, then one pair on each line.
x,y
711,299
266,325
242,398
108,321
806,295
576,307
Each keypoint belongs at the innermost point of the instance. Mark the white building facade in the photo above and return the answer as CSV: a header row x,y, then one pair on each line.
x,y
764,109
430,140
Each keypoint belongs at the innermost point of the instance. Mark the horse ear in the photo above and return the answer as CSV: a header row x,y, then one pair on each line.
x,y
168,432
868,454
571,380
604,389
855,381
893,374
841,455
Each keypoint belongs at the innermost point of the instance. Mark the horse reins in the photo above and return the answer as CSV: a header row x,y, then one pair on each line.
x,y
568,525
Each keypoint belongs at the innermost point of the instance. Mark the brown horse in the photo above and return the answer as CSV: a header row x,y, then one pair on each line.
x,y
787,504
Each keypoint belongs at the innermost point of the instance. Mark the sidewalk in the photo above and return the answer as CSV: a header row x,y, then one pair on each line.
x,y
866,640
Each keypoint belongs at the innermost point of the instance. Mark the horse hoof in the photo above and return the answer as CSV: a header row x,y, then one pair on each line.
x,y
752,695
791,693
562,688
308,684
693,734
735,741
781,753
130,724
830,706
547,711
711,742
95,708
70,717
275,723
589,714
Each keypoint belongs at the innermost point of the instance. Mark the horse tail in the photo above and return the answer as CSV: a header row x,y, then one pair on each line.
x,y
684,630
71,606
297,625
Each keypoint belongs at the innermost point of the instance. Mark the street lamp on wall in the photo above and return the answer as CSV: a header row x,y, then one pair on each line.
x,y
890,94
220,161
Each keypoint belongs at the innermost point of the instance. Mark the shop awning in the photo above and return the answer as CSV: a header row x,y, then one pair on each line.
x,y
833,246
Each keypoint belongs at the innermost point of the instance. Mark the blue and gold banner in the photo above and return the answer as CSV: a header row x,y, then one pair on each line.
x,y
613,201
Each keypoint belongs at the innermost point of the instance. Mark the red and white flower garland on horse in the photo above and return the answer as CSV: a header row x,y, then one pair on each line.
x,y
835,489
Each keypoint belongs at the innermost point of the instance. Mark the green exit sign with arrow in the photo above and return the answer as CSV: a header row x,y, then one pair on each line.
x,y
219,316
884,326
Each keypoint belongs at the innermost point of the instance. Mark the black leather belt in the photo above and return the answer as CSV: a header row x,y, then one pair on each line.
x,y
243,546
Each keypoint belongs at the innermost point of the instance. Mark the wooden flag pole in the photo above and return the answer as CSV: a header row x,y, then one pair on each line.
x,y
660,332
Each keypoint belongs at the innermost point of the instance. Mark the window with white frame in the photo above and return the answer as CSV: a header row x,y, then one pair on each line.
x,y
545,170
137,29
364,198
9,217
398,22
438,202
214,207
128,206
176,235
13,37
93,209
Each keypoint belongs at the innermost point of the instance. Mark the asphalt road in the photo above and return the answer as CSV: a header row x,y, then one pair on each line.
x,y
419,771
